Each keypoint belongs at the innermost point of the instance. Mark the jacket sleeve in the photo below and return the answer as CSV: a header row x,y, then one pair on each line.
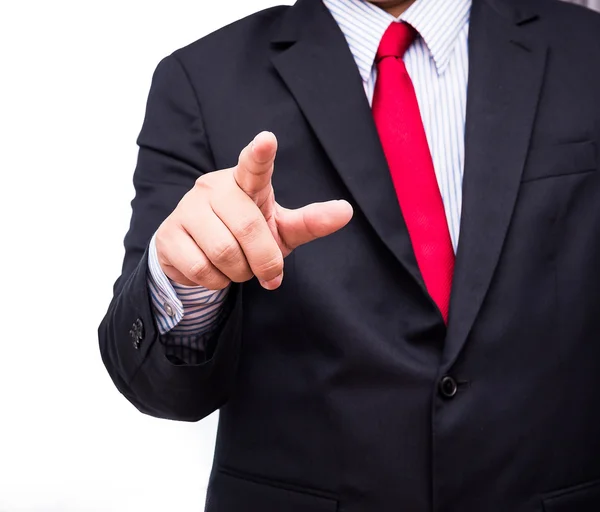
x,y
173,153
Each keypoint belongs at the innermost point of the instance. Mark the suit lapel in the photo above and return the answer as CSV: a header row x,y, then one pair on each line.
x,y
313,59
506,73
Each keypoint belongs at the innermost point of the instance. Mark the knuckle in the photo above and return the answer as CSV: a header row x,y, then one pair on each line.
x,y
163,237
160,239
224,253
206,182
212,179
218,283
249,228
200,272
201,182
202,186
271,268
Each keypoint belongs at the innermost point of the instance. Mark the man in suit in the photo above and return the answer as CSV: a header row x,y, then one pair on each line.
x,y
401,312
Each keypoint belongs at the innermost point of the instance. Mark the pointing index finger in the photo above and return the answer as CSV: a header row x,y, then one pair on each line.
x,y
255,167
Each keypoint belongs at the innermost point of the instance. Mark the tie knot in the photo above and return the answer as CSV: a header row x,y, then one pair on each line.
x,y
396,40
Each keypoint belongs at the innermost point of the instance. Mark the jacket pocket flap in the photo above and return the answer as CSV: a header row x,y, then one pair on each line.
x,y
580,498
548,161
229,492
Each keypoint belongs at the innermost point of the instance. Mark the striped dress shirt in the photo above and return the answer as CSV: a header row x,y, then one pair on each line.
x,y
438,64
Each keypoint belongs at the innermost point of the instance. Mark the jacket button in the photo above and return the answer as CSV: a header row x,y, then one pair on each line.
x,y
448,387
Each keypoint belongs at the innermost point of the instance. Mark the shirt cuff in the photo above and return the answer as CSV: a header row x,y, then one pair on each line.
x,y
168,309
186,311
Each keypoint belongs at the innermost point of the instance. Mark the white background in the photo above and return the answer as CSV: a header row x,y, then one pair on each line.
x,y
74,76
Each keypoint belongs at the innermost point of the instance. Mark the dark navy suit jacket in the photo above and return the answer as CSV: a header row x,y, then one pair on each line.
x,y
344,390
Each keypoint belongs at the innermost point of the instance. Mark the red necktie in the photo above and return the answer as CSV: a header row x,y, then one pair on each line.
x,y
398,120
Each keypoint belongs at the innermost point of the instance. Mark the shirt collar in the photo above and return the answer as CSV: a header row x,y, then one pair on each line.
x,y
438,22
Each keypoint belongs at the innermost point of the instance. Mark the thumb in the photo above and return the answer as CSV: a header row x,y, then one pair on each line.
x,y
317,220
255,167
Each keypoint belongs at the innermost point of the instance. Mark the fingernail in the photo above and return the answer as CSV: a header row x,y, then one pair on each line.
x,y
272,284
254,140
262,134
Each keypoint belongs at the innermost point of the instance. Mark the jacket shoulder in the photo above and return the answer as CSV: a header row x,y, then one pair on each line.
x,y
568,15
245,35
566,27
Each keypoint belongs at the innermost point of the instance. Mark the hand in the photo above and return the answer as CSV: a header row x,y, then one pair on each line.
x,y
229,228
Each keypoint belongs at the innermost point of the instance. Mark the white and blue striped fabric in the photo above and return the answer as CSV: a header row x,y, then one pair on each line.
x,y
184,312
438,63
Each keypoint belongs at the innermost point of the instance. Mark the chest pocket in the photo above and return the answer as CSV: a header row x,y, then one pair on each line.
x,y
561,160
